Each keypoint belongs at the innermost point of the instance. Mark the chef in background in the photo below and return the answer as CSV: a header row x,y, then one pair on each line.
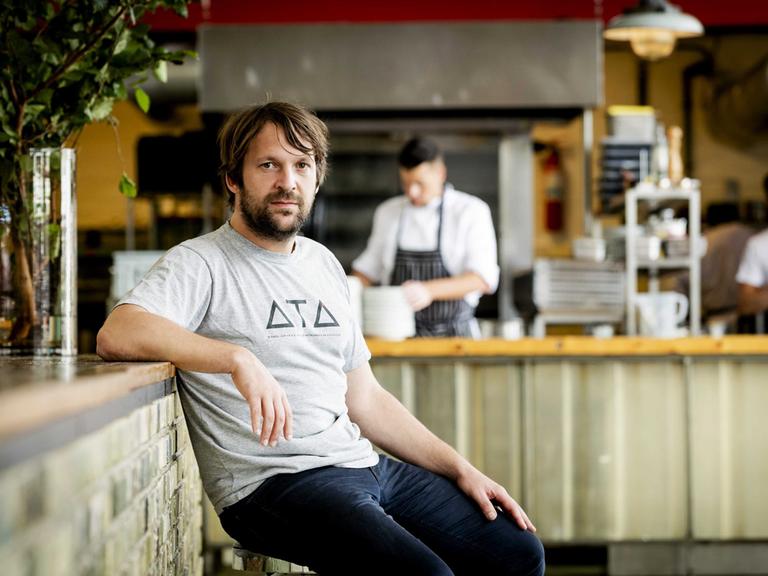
x,y
435,241
752,275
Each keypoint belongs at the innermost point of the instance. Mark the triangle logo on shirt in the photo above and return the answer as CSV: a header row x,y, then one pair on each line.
x,y
272,323
279,319
323,311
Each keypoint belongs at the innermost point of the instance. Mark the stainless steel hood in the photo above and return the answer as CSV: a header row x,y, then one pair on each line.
x,y
359,67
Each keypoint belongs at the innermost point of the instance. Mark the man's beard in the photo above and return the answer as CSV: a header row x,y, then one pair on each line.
x,y
262,222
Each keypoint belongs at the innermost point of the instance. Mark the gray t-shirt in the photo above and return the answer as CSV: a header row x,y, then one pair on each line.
x,y
293,312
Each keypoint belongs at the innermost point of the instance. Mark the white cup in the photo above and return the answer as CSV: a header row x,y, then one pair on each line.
x,y
661,313
602,331
487,328
717,328
512,329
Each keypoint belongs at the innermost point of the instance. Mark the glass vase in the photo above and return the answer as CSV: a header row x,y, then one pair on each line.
x,y
38,257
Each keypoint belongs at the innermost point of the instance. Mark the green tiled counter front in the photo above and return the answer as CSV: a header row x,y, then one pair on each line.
x,y
104,482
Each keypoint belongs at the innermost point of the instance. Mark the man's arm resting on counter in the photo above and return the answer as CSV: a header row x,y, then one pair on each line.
x,y
132,333
385,422
752,299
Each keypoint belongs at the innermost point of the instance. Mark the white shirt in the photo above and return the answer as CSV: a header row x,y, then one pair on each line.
x,y
468,242
753,269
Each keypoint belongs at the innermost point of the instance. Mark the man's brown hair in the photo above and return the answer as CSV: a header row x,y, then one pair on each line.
x,y
303,131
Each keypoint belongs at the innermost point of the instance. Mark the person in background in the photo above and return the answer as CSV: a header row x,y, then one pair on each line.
x,y
278,394
752,275
435,241
719,288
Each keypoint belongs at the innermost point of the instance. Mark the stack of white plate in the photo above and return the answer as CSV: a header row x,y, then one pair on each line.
x,y
386,313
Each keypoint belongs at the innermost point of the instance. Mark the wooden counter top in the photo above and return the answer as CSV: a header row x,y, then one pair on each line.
x,y
569,346
35,391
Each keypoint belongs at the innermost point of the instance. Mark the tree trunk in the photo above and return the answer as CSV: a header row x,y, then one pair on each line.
x,y
24,288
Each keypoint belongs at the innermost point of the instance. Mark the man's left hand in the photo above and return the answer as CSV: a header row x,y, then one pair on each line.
x,y
489,494
417,294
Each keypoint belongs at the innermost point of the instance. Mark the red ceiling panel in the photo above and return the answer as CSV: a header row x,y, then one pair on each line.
x,y
710,12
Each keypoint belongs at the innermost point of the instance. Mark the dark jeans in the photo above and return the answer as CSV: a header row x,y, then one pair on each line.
x,y
393,518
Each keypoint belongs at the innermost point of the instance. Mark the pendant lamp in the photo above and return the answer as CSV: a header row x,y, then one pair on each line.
x,y
652,28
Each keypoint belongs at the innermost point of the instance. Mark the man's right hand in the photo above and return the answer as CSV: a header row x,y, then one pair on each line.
x,y
271,413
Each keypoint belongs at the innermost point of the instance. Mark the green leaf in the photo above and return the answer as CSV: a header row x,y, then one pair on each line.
x,y
45,96
10,131
100,109
127,186
161,71
142,99
77,58
122,43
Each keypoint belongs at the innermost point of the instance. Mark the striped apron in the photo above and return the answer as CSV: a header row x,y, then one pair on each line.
x,y
442,317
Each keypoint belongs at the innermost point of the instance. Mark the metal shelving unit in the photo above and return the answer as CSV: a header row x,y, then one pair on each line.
x,y
690,194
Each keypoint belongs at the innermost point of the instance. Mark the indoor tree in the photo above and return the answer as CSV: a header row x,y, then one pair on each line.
x,y
63,64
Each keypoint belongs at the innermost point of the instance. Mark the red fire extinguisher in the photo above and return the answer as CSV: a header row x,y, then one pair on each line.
x,y
553,192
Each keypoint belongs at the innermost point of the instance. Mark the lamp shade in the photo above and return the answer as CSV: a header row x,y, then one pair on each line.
x,y
652,28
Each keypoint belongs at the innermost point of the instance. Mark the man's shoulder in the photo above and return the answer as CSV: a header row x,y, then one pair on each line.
x,y
208,244
313,249
762,235
392,205
309,245
463,201
212,238
760,239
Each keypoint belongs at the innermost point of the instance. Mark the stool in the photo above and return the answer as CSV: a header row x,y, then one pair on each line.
x,y
247,561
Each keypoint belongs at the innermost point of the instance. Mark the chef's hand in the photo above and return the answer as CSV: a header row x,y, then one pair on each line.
x,y
417,294
271,413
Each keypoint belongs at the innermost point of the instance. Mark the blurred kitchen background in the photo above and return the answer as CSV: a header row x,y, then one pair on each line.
x,y
539,115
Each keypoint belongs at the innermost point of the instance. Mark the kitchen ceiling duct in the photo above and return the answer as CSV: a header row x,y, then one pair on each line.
x,y
739,110
386,67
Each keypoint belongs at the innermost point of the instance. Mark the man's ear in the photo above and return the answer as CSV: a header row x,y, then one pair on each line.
x,y
234,188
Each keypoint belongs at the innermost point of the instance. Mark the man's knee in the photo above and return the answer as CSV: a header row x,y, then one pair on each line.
x,y
531,558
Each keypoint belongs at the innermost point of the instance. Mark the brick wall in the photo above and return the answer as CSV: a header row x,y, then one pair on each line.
x,y
125,499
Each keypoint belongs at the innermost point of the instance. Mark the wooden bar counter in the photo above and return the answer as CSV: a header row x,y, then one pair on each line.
x,y
604,440
36,391
611,441
97,475
569,346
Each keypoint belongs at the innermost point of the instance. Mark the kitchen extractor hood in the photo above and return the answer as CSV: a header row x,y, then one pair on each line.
x,y
523,65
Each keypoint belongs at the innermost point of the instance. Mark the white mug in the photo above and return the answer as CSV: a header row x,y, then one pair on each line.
x,y
512,329
661,313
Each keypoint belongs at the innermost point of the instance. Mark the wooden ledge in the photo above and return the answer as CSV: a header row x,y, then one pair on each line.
x,y
746,345
67,388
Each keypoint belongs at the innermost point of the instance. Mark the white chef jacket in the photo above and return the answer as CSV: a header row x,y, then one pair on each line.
x,y
468,242
753,269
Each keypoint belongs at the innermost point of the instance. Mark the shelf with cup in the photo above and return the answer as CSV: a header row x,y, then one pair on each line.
x,y
657,308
